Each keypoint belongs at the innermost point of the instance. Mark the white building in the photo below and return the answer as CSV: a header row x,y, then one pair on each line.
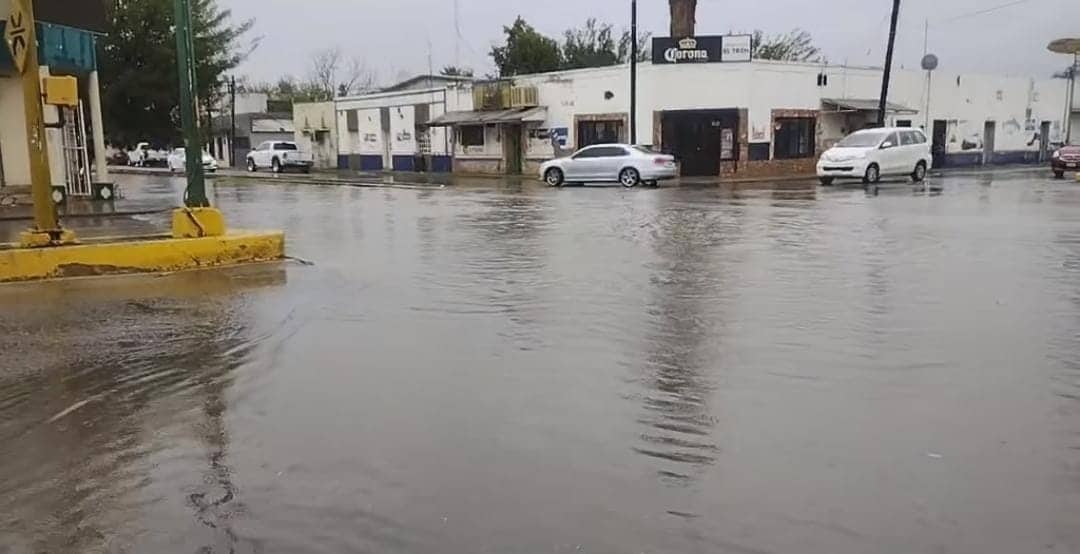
x,y
389,129
759,118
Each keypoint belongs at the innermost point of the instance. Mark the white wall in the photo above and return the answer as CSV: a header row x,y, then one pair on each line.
x,y
764,86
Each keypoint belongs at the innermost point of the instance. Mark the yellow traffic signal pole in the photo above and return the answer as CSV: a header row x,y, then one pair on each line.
x,y
46,230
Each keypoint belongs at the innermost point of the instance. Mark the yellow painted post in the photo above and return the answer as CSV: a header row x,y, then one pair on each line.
x,y
22,41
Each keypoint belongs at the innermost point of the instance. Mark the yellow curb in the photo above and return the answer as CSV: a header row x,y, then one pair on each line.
x,y
155,255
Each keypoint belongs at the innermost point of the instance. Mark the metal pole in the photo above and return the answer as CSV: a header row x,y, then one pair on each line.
x,y
633,71
1072,98
929,89
232,132
45,217
195,197
888,64
97,127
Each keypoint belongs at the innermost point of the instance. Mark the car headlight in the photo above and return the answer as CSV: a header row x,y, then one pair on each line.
x,y
1057,154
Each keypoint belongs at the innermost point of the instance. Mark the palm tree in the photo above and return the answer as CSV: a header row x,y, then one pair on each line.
x,y
683,17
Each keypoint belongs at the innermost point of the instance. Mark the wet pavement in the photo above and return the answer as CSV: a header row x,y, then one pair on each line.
x,y
516,369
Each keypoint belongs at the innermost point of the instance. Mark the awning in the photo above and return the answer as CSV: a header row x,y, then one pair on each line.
x,y
516,115
865,105
272,126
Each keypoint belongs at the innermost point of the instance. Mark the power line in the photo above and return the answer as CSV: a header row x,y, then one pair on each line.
x,y
984,11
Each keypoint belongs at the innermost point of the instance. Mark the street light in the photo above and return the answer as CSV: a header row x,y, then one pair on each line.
x,y
633,71
1068,46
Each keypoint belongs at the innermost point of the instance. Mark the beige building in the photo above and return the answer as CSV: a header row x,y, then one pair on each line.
x,y
316,132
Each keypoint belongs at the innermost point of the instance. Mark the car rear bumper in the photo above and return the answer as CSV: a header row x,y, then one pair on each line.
x,y
659,173
851,168
296,163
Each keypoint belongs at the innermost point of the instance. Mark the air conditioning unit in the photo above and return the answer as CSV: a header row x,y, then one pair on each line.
x,y
524,97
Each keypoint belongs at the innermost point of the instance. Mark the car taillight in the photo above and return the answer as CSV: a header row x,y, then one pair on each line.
x,y
660,161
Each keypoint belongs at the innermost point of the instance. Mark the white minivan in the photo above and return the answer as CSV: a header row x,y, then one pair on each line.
x,y
873,153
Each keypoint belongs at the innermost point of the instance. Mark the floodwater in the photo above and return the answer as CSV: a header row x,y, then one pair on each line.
x,y
516,369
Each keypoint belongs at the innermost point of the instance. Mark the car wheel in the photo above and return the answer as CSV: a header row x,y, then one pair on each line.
x,y
873,174
826,181
554,177
251,165
275,166
920,172
629,177
1059,174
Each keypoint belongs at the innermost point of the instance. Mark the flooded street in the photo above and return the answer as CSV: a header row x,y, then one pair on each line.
x,y
517,369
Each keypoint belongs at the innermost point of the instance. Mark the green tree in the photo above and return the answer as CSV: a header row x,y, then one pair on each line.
x,y
526,51
140,85
590,46
795,46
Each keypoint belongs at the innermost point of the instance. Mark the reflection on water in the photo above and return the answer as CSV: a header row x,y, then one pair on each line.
x,y
765,368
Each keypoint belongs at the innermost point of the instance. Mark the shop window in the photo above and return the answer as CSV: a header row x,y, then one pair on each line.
x,y
472,135
794,138
903,123
599,132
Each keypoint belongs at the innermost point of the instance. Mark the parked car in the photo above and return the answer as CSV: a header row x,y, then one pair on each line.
x,y
623,163
1065,158
279,156
145,155
873,153
178,161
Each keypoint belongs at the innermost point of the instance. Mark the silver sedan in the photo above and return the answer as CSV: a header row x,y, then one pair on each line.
x,y
622,163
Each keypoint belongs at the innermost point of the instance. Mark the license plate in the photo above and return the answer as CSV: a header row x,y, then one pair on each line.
x,y
1072,164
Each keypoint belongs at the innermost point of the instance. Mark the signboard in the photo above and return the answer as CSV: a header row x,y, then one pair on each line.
x,y
17,35
736,48
707,49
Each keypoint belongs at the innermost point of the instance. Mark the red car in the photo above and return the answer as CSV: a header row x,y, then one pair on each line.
x,y
1066,158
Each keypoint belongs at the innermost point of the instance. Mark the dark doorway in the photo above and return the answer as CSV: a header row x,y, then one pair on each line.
x,y
940,142
696,139
512,148
989,132
1044,141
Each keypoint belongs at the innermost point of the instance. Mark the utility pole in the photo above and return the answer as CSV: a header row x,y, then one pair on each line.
x,y
195,197
232,131
883,104
1068,46
633,71
22,41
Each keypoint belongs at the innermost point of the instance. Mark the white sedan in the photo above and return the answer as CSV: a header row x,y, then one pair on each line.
x,y
622,163
178,161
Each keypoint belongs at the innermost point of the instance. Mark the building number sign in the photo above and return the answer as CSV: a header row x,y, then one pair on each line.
x,y
17,34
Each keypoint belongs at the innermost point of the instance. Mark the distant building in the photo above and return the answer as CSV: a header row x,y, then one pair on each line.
x,y
258,119
389,129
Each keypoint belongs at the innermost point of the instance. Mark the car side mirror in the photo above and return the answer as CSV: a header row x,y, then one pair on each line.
x,y
886,144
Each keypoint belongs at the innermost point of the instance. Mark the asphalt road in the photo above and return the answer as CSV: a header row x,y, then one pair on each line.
x,y
517,369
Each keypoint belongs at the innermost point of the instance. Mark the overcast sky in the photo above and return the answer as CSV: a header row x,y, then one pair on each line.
x,y
393,36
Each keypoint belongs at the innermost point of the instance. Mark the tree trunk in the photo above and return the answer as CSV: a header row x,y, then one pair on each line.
x,y
683,17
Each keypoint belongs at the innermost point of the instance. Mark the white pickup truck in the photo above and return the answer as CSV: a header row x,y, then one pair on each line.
x,y
144,156
279,156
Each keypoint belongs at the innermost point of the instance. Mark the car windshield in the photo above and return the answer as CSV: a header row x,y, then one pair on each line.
x,y
862,139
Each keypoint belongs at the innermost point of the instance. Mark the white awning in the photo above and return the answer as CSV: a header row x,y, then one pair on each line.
x,y
515,115
865,105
